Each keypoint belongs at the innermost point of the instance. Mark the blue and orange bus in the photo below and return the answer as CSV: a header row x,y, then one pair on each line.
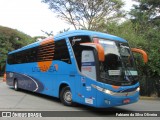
x,y
86,67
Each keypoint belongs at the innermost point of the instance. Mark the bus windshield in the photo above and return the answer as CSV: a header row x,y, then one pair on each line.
x,y
118,67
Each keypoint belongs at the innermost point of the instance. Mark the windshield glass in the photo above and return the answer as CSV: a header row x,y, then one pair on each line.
x,y
118,67
127,59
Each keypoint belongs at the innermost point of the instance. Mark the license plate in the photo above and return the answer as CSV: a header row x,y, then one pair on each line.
x,y
125,101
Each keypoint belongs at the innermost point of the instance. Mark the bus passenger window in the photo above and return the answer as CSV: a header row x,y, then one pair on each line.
x,y
61,52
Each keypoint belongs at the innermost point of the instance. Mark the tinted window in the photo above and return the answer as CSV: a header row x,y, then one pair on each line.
x,y
77,48
46,52
61,52
25,56
57,50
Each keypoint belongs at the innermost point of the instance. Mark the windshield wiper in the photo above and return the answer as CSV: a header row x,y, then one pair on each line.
x,y
128,72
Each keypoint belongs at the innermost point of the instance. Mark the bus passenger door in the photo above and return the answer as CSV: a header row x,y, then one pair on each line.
x,y
86,94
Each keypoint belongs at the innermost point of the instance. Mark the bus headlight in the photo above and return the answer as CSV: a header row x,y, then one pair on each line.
x,y
108,92
103,90
138,89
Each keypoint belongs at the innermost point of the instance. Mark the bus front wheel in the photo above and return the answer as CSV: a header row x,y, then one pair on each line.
x,y
66,96
16,85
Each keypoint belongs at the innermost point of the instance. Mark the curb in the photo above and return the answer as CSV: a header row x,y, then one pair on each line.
x,y
149,98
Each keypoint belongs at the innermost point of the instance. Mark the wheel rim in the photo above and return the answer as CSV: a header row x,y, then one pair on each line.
x,y
15,85
68,96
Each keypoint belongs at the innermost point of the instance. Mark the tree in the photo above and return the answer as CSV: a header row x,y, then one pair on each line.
x,y
11,39
64,30
146,14
37,38
127,31
48,33
146,18
86,14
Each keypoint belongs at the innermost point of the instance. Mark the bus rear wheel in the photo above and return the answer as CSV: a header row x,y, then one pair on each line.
x,y
16,85
66,96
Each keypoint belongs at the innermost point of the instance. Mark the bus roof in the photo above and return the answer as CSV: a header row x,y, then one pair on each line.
x,y
89,33
74,33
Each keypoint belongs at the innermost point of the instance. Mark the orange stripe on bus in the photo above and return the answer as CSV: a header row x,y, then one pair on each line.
x,y
46,41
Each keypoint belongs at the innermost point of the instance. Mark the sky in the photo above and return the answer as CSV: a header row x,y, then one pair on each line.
x,y
32,16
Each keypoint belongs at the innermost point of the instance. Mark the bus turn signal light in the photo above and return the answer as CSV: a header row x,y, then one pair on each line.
x,y
4,77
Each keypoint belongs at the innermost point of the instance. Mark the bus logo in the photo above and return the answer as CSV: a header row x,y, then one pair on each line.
x,y
44,66
56,67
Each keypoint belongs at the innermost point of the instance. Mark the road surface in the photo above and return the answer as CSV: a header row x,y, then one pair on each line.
x,y
11,100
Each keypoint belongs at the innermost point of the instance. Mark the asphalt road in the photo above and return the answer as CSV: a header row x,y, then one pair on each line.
x,y
11,100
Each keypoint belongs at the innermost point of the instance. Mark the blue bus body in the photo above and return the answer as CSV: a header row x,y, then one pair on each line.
x,y
59,73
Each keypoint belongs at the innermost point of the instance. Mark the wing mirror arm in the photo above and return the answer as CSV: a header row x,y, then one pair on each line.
x,y
142,52
99,49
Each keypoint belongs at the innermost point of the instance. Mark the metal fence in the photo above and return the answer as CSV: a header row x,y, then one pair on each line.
x,y
150,86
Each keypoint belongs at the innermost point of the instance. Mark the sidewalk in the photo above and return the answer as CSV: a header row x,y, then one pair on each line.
x,y
149,98
1,79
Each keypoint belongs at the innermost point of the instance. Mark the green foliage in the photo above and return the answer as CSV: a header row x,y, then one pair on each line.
x,y
127,31
146,16
11,39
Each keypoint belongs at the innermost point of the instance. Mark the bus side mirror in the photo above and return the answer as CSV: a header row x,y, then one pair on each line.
x,y
99,49
142,52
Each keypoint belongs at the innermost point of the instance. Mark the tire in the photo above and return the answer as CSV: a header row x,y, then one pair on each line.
x,y
66,96
16,85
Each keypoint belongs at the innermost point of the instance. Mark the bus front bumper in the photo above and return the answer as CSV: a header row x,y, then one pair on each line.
x,y
106,100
